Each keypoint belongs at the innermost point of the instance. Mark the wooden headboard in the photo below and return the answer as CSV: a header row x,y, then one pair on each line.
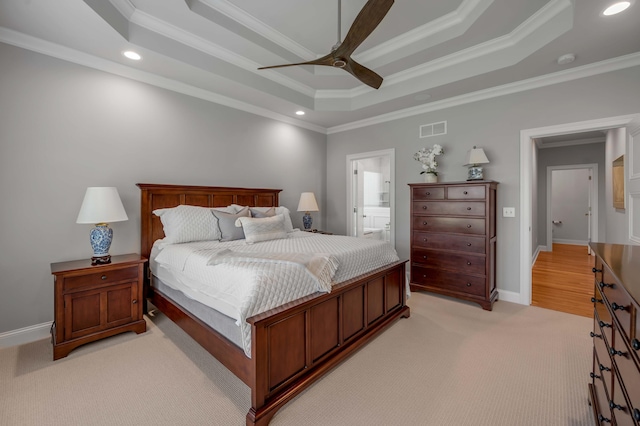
x,y
154,196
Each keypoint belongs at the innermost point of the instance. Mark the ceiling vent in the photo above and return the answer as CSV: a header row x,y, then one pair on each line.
x,y
433,129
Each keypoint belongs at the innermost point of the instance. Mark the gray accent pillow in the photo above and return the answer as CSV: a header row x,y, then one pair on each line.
x,y
260,214
227,224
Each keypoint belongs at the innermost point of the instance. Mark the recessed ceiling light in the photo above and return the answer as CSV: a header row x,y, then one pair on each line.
x,y
299,112
616,8
132,55
566,59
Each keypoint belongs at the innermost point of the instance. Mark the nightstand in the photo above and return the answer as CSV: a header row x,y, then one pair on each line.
x,y
94,302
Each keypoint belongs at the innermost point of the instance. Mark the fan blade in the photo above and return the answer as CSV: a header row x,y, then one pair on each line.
x,y
325,60
367,20
363,74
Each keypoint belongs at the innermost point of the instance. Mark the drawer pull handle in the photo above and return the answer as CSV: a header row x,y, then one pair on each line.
x,y
603,368
636,414
604,324
424,223
424,239
428,193
468,244
594,376
617,307
613,405
134,301
594,270
592,334
468,263
468,226
613,352
468,284
424,207
602,418
468,208
424,257
104,277
636,344
594,300
465,192
603,285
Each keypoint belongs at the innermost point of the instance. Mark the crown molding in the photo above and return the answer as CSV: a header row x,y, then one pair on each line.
x,y
615,64
71,55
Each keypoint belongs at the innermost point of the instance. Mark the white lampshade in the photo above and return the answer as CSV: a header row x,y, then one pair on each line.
x,y
476,156
101,205
308,202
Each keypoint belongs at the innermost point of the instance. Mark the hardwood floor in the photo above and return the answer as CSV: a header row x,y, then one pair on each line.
x,y
562,280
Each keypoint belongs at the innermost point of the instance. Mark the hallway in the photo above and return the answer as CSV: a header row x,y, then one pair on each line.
x,y
562,280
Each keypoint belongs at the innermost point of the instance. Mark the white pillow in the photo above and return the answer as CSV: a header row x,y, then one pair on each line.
x,y
262,229
184,224
288,225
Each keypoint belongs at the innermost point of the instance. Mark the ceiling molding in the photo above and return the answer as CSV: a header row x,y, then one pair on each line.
x,y
615,64
71,55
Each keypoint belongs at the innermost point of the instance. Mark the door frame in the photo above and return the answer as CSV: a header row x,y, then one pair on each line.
x,y
391,153
527,147
593,196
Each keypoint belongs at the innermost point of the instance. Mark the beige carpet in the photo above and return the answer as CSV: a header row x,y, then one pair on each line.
x,y
451,363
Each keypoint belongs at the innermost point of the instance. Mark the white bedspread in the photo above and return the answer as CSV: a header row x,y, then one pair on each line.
x,y
245,287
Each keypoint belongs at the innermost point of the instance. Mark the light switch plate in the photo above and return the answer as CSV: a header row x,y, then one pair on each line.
x,y
508,212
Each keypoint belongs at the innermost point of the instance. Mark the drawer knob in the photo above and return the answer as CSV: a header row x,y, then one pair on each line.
x,y
468,226
603,285
594,376
134,301
636,414
468,284
604,324
468,208
602,418
424,257
636,344
428,193
468,263
424,276
424,207
468,244
613,405
424,223
617,307
592,334
104,277
603,368
613,352
465,192
594,270
424,239
594,300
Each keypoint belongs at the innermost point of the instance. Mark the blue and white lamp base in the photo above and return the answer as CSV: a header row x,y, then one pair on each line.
x,y
307,221
101,237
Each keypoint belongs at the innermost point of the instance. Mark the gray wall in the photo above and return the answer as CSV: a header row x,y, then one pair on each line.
x,y
64,127
563,156
494,125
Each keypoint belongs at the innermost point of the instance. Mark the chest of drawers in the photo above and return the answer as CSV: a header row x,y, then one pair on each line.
x,y
614,389
453,240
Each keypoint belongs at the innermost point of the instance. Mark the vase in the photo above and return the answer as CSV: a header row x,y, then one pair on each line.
x,y
430,177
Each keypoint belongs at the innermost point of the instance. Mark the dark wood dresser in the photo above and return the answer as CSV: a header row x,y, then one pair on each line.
x,y
614,390
453,240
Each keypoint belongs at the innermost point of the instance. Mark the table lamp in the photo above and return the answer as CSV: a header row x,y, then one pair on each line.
x,y
101,205
475,157
307,204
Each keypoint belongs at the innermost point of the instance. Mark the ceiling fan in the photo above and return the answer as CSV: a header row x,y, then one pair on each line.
x,y
340,57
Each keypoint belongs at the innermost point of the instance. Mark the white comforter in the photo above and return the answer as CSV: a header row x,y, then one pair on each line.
x,y
243,288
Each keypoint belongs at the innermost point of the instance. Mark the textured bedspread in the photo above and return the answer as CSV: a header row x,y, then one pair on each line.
x,y
246,285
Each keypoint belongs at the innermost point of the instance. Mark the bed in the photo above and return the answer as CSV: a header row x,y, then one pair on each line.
x,y
292,345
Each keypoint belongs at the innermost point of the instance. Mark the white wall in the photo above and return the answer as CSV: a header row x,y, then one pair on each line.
x,y
494,125
64,127
617,219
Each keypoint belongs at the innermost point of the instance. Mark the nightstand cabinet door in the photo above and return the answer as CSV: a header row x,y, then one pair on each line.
x,y
92,302
453,240
91,311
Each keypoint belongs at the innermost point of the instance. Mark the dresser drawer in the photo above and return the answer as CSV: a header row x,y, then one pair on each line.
x,y
451,208
428,193
107,277
465,192
448,280
620,408
449,224
603,361
618,300
627,369
466,263
467,243
602,397
603,319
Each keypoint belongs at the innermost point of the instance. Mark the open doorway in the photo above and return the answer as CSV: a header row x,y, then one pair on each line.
x,y
370,195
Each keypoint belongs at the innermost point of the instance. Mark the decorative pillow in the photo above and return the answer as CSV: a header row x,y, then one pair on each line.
x,y
288,225
262,213
262,229
226,224
183,224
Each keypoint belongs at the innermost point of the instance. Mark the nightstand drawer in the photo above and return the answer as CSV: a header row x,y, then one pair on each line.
x,y
99,278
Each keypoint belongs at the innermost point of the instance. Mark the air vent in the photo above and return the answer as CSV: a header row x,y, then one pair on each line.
x,y
433,129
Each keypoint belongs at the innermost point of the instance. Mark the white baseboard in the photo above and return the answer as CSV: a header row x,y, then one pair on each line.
x,y
571,242
537,252
510,296
25,335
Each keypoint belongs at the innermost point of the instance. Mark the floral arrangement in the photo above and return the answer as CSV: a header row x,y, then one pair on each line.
x,y
428,158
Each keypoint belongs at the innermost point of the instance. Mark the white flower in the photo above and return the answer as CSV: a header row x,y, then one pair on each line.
x,y
427,158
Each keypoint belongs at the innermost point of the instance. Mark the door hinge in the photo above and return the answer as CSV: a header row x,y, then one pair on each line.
x,y
355,210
